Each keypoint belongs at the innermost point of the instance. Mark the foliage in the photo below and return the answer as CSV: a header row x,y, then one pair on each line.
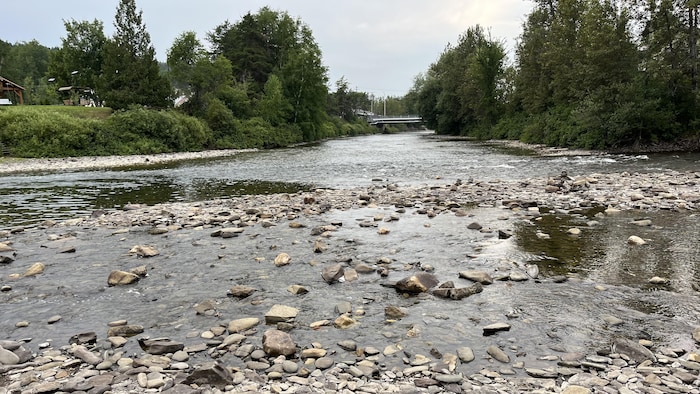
x,y
131,75
78,62
58,131
588,73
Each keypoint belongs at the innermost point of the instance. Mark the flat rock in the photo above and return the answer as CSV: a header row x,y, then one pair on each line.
x,y
160,346
297,289
477,276
244,324
281,314
496,327
633,350
127,330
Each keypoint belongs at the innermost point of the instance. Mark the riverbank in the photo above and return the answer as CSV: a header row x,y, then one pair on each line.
x,y
242,342
15,165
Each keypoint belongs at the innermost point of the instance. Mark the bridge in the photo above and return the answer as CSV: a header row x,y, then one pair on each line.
x,y
377,120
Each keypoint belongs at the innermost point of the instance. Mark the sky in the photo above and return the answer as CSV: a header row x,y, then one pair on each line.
x,y
378,46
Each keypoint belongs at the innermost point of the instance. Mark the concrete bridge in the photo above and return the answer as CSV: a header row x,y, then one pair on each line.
x,y
377,120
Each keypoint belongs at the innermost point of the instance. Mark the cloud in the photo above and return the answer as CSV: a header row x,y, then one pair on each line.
x,y
379,46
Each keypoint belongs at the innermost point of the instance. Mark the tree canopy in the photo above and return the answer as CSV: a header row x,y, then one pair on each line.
x,y
586,73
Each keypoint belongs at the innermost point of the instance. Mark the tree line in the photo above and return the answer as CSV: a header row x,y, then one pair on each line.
x,y
261,83
606,74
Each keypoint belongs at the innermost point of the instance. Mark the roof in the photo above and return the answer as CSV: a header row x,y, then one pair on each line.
x,y
7,83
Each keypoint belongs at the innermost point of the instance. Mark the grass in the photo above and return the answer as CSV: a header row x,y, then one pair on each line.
x,y
74,111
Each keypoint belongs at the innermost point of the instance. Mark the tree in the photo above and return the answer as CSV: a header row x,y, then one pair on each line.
x,y
79,60
131,74
183,56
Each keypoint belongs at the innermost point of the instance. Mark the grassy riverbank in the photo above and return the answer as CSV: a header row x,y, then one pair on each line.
x,y
62,131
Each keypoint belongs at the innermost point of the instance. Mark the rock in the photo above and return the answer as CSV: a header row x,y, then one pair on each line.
x,y
612,320
206,308
394,312
244,324
344,321
474,226
343,307
477,276
144,251
85,338
496,327
5,248
383,231
313,353
319,246
281,313
465,354
87,356
276,343
297,289
518,276
498,354
504,234
350,275
282,259
574,231
574,389
636,197
420,282
324,363
657,280
121,278
228,232
5,259
140,271
212,374
541,373
53,319
124,331
35,269
635,240
633,350
241,291
641,222
332,273
160,346
7,357
533,270
447,290
696,334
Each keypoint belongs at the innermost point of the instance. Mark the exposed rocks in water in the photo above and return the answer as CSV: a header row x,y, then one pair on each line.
x,y
420,282
282,259
448,290
230,356
496,327
35,269
635,240
119,278
144,251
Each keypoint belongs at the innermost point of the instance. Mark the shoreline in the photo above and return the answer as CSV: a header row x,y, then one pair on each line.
x,y
21,165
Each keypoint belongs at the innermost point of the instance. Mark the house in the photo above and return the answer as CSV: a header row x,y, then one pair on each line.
x,y
10,90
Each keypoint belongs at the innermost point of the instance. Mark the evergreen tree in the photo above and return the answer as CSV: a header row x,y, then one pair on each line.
x,y
131,74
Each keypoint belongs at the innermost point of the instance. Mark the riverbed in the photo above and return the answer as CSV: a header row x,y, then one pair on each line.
x,y
441,210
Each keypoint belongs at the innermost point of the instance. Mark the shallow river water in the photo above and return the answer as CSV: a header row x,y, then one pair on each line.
x,y
606,276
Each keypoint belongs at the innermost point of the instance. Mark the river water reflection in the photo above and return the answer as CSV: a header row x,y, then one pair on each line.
x,y
408,158
607,277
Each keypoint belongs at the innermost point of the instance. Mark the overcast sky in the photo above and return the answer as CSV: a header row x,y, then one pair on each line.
x,y
378,46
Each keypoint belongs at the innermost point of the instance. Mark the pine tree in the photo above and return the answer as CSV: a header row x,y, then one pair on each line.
x,y
131,75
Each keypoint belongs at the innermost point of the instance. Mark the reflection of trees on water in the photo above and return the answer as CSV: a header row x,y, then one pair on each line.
x,y
602,254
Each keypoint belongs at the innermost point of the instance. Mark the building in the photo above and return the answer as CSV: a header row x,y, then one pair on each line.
x,y
11,91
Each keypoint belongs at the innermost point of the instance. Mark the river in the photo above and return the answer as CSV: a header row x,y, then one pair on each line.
x,y
606,276
407,158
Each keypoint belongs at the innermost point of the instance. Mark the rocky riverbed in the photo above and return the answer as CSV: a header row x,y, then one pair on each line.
x,y
260,329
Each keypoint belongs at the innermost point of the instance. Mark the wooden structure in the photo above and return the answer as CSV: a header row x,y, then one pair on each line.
x,y
9,90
